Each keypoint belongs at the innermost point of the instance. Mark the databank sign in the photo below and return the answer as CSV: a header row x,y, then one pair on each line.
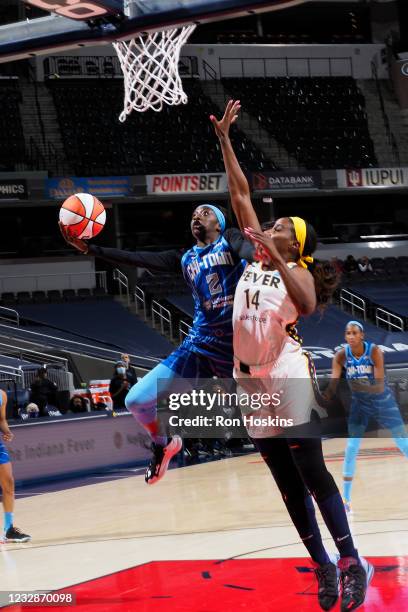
x,y
372,177
171,184
278,181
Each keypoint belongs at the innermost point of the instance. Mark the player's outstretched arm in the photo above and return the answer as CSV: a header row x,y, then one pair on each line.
x,y
237,182
164,261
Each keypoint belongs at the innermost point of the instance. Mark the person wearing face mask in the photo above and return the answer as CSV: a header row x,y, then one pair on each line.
x,y
119,386
130,370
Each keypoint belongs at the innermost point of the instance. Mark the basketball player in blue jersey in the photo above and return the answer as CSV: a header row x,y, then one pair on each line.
x,y
371,398
211,268
10,533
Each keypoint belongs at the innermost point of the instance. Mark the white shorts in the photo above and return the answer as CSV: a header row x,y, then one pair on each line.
x,y
287,390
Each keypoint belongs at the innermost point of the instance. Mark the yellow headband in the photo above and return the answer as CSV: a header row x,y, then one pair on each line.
x,y
300,232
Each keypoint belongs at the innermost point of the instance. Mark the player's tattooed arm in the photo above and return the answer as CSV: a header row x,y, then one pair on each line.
x,y
237,183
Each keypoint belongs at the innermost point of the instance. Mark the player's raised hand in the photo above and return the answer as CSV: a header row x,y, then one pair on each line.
x,y
222,126
266,250
77,243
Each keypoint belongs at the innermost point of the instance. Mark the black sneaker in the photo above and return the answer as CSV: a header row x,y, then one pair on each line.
x,y
14,534
161,459
355,578
328,579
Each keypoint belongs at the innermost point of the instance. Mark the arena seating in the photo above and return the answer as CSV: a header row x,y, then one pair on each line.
x,y
184,302
389,295
12,144
286,38
321,121
114,328
175,140
8,298
323,333
13,362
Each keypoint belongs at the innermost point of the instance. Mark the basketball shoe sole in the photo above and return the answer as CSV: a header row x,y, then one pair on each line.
x,y
173,447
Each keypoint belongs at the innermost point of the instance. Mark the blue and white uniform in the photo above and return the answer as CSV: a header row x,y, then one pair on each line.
x,y
212,272
4,456
365,405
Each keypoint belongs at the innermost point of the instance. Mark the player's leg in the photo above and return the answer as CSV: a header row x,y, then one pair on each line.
x,y
10,533
349,468
389,417
298,501
356,424
142,401
401,439
356,572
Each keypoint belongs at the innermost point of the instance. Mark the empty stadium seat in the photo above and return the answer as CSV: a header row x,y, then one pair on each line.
x,y
8,298
12,143
321,121
39,297
84,293
69,295
23,297
175,140
54,295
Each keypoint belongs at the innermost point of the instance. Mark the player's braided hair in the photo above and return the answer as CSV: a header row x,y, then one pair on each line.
x,y
325,275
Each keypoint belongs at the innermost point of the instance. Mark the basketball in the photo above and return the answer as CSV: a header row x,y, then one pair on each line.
x,y
83,214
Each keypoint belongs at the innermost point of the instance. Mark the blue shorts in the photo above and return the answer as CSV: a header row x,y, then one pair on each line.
x,y
381,407
189,364
4,456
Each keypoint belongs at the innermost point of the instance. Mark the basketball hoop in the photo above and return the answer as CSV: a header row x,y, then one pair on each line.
x,y
150,69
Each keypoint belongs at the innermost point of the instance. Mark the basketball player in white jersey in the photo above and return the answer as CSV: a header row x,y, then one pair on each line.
x,y
271,295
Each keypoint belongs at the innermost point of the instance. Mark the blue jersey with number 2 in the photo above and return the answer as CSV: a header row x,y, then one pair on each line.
x,y
212,272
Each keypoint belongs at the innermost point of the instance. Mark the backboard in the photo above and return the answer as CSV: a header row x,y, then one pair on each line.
x,y
93,22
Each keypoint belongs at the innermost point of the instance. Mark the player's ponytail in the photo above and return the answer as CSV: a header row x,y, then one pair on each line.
x,y
325,275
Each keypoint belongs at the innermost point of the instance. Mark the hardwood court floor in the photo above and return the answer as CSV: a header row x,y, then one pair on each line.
x,y
228,509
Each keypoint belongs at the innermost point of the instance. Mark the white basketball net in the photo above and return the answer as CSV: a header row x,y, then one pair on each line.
x,y
150,68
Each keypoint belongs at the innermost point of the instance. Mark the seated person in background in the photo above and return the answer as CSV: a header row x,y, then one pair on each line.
x,y
32,410
364,265
119,386
77,403
130,370
350,265
43,391
337,264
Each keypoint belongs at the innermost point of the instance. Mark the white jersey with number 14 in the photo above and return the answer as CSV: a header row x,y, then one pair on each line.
x,y
262,312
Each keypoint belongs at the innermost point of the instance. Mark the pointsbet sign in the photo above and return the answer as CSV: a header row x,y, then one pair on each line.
x,y
170,184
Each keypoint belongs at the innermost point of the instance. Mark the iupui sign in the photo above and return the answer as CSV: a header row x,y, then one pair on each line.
x,y
79,9
170,184
373,177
